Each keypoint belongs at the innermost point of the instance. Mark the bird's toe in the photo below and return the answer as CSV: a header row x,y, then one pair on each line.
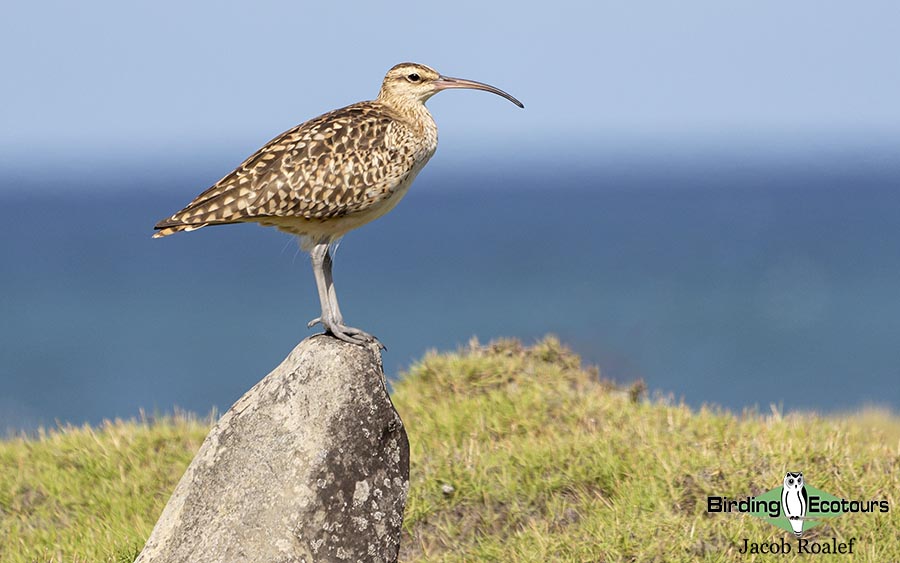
x,y
354,335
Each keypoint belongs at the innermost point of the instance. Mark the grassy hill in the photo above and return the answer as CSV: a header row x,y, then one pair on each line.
x,y
518,454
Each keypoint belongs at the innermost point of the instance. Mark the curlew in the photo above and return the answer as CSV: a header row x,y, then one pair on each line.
x,y
332,174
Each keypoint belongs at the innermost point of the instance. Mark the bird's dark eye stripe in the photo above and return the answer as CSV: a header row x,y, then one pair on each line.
x,y
414,77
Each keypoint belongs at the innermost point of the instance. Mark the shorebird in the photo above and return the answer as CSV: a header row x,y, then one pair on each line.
x,y
332,174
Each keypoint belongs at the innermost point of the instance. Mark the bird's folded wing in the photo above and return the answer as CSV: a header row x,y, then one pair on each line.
x,y
338,164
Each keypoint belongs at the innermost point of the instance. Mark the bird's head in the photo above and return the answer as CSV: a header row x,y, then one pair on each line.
x,y
412,82
793,480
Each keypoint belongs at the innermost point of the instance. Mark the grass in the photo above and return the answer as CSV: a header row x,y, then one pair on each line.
x,y
518,454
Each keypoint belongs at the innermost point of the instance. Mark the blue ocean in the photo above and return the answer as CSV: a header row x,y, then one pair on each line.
x,y
718,279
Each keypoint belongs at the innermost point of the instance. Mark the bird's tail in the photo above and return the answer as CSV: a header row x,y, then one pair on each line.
x,y
172,229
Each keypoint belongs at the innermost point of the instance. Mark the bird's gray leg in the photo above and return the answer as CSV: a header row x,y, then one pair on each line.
x,y
317,254
331,314
332,294
336,309
336,315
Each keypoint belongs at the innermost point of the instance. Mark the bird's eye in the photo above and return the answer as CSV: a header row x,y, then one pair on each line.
x,y
414,77
790,481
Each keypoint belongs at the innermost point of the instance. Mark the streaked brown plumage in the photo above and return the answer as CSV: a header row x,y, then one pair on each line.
x,y
337,165
331,174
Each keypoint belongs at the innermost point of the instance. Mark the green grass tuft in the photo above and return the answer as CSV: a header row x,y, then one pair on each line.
x,y
518,454
82,494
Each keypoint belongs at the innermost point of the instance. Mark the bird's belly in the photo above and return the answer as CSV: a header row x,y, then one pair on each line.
x,y
794,504
335,227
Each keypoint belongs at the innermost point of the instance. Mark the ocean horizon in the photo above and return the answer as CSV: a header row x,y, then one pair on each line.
x,y
737,284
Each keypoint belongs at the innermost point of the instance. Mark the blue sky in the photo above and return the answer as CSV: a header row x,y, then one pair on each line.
x,y
104,79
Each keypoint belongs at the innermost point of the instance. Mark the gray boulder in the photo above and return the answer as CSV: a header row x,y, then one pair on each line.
x,y
311,464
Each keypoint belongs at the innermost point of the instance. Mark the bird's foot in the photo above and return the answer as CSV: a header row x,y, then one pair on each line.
x,y
352,335
346,333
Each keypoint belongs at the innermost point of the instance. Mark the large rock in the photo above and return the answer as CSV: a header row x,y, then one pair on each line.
x,y
312,464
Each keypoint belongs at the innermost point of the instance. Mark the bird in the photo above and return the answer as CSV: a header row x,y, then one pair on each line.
x,y
794,500
332,174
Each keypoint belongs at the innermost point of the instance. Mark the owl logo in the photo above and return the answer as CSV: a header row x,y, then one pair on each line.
x,y
794,501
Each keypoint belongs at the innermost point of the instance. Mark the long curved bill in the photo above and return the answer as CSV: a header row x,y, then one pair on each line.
x,y
447,82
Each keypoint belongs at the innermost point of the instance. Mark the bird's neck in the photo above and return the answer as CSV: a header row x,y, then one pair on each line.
x,y
413,112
